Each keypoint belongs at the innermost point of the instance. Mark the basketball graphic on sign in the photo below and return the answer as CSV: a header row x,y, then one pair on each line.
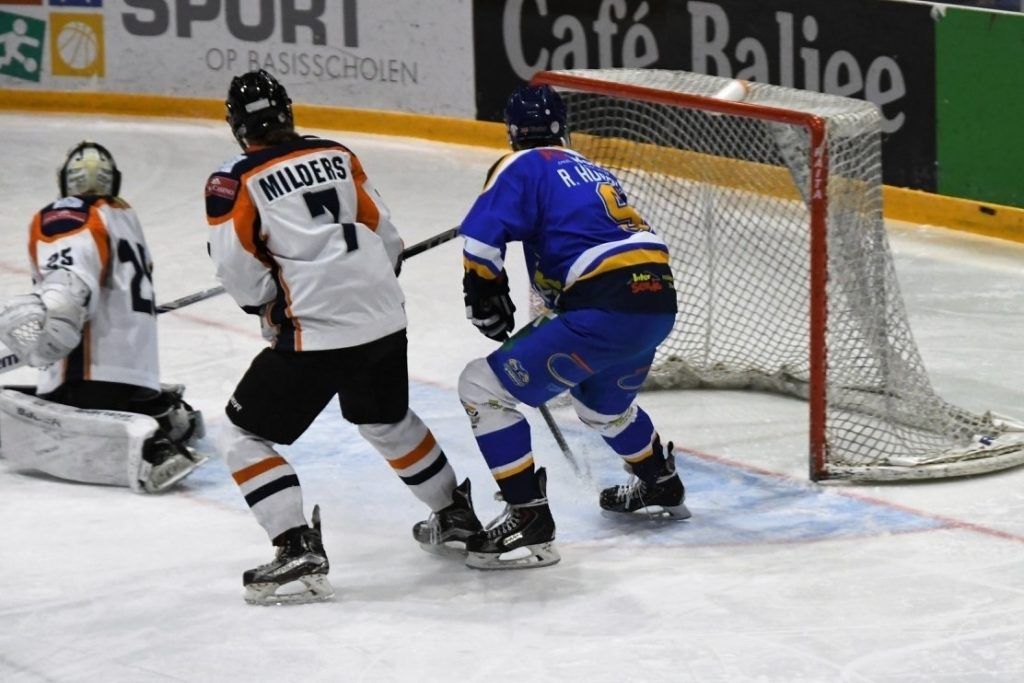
x,y
77,45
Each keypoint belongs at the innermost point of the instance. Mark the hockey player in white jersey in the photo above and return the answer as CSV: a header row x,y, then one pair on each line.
x,y
300,238
99,413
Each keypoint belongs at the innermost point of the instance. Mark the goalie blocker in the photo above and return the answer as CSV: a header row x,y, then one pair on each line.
x,y
147,454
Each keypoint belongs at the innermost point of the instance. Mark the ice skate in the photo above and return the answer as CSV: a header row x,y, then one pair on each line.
x,y
521,537
300,560
166,463
661,500
445,532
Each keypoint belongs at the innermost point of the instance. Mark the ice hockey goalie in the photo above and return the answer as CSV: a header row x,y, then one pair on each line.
x,y
98,413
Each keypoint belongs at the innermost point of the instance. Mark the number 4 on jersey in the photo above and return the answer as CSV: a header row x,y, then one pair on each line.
x,y
620,210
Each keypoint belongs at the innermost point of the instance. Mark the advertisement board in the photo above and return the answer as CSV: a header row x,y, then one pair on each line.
x,y
980,106
401,55
844,47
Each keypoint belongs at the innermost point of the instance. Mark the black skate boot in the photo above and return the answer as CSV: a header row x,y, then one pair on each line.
x,y
661,499
521,537
445,531
165,463
300,558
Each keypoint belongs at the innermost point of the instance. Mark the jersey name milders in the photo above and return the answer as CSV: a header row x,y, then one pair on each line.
x,y
299,235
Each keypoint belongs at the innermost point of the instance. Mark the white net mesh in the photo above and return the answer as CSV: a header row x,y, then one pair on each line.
x,y
728,193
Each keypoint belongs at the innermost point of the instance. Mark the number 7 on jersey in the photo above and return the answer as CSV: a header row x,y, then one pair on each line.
x,y
327,201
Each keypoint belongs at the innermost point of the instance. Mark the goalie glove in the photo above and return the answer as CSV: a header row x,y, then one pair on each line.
x,y
45,326
21,323
488,305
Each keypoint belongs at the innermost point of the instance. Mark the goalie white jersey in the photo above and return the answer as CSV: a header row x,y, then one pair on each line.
x,y
300,236
100,240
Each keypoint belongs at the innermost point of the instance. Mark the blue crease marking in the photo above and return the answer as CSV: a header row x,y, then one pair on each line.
x,y
730,505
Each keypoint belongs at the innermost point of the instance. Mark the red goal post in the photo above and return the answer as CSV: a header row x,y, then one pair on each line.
x,y
770,200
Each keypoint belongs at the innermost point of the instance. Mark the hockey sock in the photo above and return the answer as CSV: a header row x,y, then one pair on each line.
x,y
638,445
509,455
415,456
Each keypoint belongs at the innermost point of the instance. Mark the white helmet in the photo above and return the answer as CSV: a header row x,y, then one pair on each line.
x,y
89,169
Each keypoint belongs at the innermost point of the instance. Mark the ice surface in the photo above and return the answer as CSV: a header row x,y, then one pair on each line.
x,y
774,578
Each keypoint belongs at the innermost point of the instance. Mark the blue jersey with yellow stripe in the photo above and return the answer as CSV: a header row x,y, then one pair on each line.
x,y
585,245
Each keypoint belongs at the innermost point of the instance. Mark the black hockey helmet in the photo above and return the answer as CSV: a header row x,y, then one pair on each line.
x,y
535,116
89,168
256,105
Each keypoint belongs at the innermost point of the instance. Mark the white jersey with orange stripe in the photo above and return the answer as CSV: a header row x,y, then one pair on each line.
x,y
299,235
101,241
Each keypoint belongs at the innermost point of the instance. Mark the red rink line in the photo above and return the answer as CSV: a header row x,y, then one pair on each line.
x,y
948,522
251,332
14,270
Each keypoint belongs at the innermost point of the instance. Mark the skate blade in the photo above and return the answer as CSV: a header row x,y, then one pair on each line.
x,y
178,468
448,549
653,513
526,557
317,589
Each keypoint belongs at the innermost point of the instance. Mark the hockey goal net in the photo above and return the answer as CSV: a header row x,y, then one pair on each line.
x,y
770,200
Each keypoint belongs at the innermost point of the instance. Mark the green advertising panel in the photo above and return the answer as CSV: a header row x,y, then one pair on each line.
x,y
980,105
21,46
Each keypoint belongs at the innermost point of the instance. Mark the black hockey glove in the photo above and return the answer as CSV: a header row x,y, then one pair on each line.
x,y
489,305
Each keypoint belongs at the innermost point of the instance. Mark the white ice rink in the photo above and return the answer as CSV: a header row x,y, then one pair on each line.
x,y
774,578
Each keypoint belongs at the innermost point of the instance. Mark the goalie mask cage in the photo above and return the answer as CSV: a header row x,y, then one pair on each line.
x,y
772,210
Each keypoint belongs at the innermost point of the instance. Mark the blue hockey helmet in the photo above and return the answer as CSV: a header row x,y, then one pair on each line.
x,y
535,116
256,105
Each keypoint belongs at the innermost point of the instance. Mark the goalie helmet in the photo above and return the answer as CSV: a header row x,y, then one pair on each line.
x,y
535,116
89,169
256,105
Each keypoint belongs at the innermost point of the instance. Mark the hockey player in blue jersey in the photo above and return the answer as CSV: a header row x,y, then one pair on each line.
x,y
605,275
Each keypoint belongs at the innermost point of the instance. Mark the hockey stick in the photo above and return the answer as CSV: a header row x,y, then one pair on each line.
x,y
10,360
450,234
190,299
431,242
582,472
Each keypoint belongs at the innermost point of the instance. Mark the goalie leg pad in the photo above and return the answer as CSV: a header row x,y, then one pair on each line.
x,y
90,446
